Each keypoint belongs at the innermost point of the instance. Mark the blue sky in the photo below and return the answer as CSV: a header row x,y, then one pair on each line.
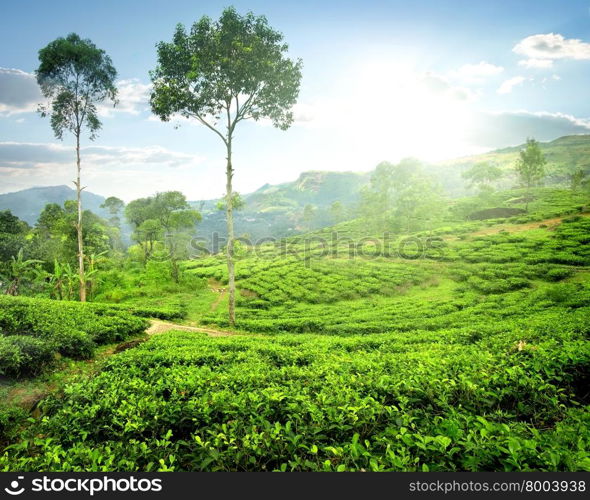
x,y
381,80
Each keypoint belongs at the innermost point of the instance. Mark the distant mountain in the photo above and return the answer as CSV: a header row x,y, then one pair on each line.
x,y
277,210
317,188
29,203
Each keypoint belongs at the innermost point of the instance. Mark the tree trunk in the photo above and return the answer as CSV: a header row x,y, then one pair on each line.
x,y
81,276
13,288
229,172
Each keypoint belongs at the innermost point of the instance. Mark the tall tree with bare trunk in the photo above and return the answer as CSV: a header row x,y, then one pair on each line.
x,y
75,76
222,73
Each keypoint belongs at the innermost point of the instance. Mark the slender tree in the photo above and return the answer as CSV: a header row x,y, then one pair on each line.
x,y
530,166
114,206
75,76
222,73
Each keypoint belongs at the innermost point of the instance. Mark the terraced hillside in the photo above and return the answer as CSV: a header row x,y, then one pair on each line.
x,y
466,351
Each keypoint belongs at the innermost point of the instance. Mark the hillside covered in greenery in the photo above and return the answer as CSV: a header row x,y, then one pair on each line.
x,y
418,317
459,347
320,198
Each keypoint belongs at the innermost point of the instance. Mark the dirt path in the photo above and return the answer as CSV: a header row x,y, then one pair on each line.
x,y
157,326
218,288
515,228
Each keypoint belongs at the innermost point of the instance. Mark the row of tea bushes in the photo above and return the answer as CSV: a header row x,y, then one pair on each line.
x,y
33,331
512,400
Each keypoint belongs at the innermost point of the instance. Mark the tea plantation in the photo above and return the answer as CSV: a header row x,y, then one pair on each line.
x,y
34,331
471,354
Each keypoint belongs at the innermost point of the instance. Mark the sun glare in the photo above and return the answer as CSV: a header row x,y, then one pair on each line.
x,y
410,113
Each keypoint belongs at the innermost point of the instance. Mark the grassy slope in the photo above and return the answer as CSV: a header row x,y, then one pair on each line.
x,y
473,359
568,152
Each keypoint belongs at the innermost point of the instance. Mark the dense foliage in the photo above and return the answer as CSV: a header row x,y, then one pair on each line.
x,y
505,399
32,331
466,351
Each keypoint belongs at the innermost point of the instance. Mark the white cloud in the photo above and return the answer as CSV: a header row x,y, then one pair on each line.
x,y
123,171
542,49
510,128
25,154
304,112
132,97
536,63
19,92
509,84
440,86
476,73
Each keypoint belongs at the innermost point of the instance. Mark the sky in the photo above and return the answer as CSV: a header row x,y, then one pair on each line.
x,y
382,80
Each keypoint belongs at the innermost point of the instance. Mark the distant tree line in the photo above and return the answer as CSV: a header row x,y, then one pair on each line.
x,y
43,259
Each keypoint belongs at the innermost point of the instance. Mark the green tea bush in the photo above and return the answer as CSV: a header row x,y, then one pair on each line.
x,y
137,287
29,327
558,273
21,355
11,418
169,312
568,294
412,401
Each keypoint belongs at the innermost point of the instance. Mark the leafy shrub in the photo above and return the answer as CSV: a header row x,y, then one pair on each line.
x,y
71,328
568,294
558,274
170,312
10,419
21,355
74,344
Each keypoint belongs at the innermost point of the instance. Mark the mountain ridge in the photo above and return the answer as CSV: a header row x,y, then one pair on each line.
x,y
28,203
276,209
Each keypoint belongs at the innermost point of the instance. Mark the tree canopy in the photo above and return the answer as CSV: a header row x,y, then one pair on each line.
x,y
75,76
236,65
482,174
165,217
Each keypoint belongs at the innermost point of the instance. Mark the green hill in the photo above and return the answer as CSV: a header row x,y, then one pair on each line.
x,y
564,155
276,210
29,203
466,350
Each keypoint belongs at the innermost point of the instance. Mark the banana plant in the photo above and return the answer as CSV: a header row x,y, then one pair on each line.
x,y
91,271
17,271
62,281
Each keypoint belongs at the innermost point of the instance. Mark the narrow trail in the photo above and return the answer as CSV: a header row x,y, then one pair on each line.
x,y
516,228
157,326
217,287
